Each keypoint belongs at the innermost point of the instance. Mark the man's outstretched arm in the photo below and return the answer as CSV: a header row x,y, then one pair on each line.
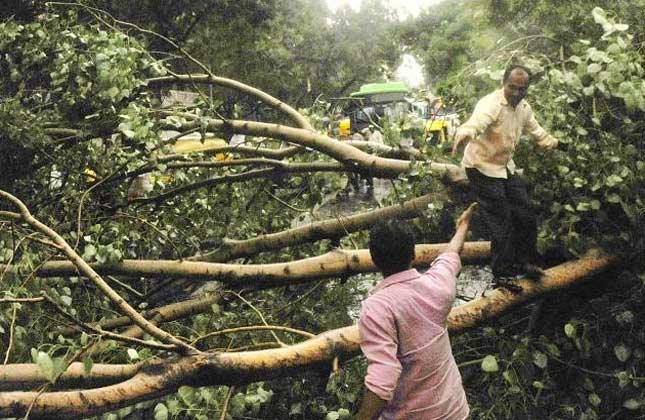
x,y
483,116
456,244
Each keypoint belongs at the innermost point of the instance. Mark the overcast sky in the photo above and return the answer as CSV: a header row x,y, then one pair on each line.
x,y
405,8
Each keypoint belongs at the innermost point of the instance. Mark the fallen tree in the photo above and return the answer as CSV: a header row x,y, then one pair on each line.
x,y
75,136
156,379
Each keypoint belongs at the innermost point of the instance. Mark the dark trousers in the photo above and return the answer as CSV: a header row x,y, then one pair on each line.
x,y
509,217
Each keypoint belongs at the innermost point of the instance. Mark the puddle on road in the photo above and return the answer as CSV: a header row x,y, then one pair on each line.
x,y
471,283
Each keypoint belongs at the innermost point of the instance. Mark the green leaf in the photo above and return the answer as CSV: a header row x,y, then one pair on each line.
x,y
553,349
588,90
632,404
583,206
344,413
60,365
594,399
67,301
295,409
187,394
540,359
161,412
563,169
625,317
133,354
90,252
489,364
613,180
113,92
88,363
623,379
593,68
622,352
510,377
46,365
570,330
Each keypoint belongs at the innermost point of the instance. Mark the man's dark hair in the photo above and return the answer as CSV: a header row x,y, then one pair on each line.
x,y
392,245
509,70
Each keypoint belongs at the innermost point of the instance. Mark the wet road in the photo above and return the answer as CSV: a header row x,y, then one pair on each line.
x,y
473,280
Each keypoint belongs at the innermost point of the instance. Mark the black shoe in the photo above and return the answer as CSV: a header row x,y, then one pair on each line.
x,y
531,271
508,283
505,271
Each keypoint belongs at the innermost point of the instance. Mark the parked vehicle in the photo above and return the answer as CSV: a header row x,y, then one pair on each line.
x,y
392,100
374,101
441,122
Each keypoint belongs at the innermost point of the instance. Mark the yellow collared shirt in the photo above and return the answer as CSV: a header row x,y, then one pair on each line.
x,y
495,128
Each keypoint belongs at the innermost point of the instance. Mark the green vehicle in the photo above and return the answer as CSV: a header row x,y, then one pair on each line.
x,y
374,101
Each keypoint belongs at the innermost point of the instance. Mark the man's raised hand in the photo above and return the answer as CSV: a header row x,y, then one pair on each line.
x,y
464,218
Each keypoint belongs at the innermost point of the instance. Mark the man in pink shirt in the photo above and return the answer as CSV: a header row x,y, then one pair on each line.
x,y
411,373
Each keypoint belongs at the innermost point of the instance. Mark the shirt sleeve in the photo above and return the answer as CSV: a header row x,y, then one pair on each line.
x,y
539,134
379,343
444,271
486,111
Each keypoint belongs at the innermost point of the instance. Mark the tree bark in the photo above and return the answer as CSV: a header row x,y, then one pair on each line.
x,y
29,376
332,264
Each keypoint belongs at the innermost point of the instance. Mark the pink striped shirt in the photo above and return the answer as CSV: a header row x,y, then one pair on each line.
x,y
405,339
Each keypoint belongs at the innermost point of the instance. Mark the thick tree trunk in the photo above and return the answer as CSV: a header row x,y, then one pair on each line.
x,y
237,368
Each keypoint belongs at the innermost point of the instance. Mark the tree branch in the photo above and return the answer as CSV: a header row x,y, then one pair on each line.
x,y
332,264
300,120
159,315
342,152
330,228
163,378
87,271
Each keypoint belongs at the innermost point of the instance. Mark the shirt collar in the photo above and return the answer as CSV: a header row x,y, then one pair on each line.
x,y
504,102
399,277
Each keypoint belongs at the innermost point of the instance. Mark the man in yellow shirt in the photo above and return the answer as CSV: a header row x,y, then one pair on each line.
x,y
493,132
